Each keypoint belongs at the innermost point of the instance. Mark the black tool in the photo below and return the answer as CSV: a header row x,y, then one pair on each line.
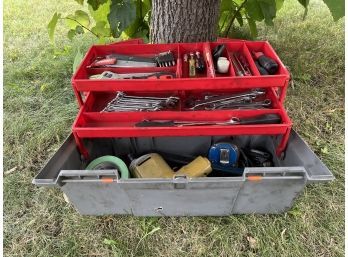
x,y
217,52
267,63
262,70
271,118
253,157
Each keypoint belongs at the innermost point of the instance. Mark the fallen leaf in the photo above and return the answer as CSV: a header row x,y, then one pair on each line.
x,y
10,170
252,242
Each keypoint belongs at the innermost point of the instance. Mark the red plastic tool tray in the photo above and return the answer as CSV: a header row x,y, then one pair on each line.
x,y
92,123
205,81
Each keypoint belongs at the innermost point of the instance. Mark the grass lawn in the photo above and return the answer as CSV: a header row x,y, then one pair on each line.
x,y
39,108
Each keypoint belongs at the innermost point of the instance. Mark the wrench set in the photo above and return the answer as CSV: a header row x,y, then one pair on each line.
x,y
189,89
130,103
245,100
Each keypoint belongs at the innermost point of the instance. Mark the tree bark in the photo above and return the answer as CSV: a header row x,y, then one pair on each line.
x,y
184,20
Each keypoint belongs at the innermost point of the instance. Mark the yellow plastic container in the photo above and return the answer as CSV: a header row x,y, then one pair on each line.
x,y
154,166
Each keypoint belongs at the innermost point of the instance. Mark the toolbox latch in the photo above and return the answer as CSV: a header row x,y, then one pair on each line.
x,y
180,181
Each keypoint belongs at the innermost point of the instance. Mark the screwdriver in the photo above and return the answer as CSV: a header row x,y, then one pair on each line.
x,y
267,63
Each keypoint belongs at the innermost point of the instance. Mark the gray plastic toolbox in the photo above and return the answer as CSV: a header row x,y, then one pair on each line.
x,y
259,190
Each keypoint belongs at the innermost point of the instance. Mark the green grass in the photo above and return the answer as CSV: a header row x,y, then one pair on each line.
x,y
39,108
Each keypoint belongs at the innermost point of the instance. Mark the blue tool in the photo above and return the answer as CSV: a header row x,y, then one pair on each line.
x,y
224,158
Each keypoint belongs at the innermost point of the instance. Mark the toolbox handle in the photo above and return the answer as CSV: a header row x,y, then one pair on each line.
x,y
256,174
88,176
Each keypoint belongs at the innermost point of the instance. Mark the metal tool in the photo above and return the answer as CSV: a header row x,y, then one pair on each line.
x,y
271,118
149,75
267,103
252,94
127,103
240,65
244,63
165,59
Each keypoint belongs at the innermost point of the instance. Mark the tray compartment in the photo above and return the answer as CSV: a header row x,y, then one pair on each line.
x,y
240,47
207,81
230,72
266,48
203,48
198,94
97,101
141,50
90,122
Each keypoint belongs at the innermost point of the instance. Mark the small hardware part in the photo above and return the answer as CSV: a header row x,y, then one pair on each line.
x,y
192,66
185,66
200,66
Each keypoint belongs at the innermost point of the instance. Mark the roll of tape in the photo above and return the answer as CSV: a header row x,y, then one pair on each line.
x,y
109,161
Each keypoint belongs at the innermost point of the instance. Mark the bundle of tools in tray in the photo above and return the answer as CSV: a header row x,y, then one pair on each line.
x,y
223,159
251,99
240,65
165,59
193,63
128,103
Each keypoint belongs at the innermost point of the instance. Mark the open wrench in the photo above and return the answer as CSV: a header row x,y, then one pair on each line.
x,y
252,94
241,105
124,95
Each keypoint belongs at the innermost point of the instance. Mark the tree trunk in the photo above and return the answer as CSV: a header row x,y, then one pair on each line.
x,y
184,20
